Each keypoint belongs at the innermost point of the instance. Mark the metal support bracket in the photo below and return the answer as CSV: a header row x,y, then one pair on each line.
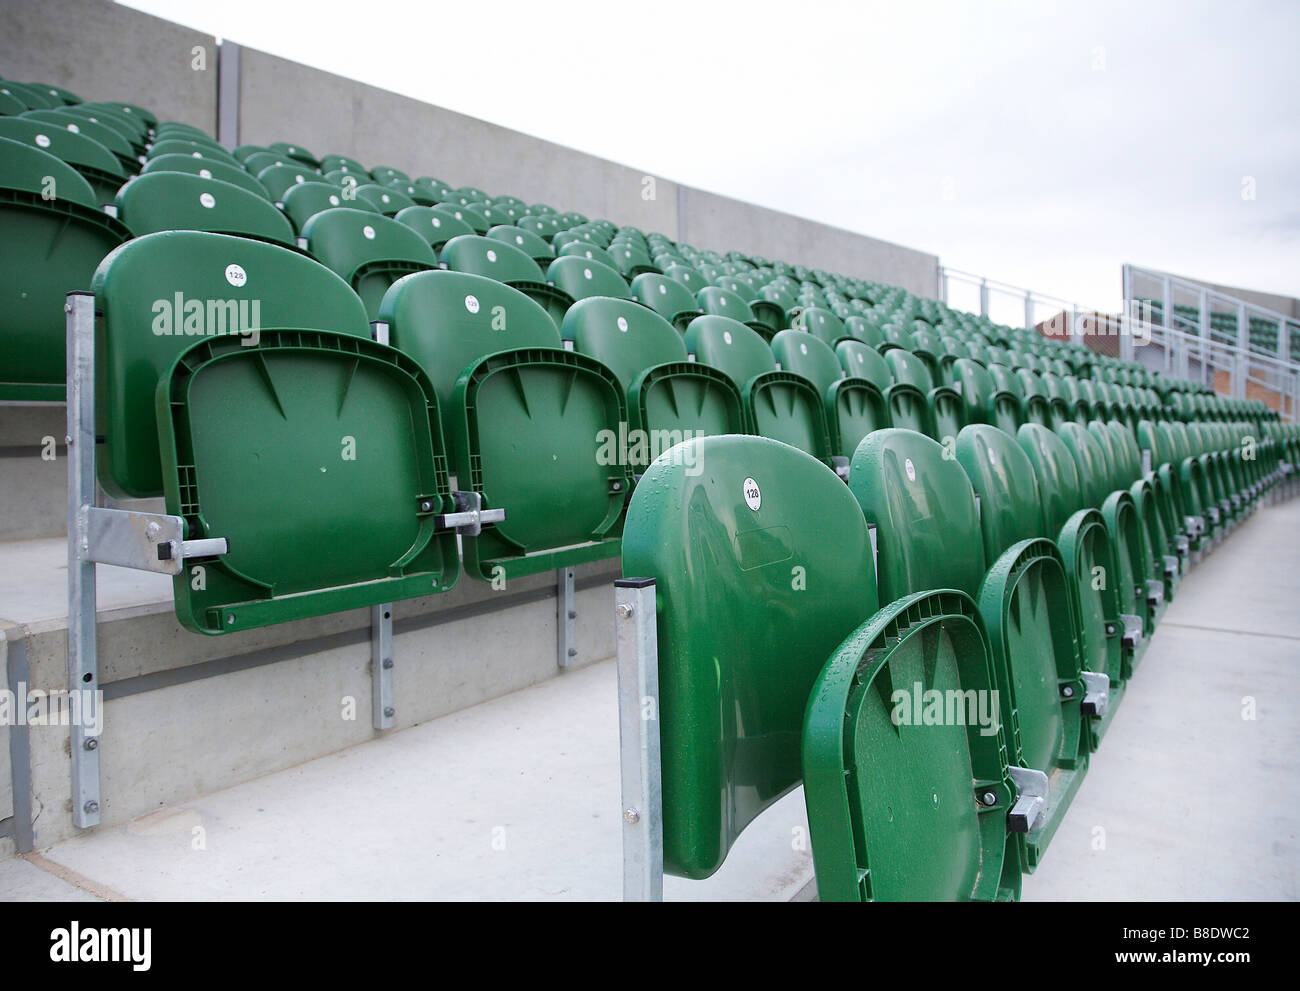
x,y
469,516
143,541
566,611
875,562
1096,694
1132,635
83,656
638,739
1173,567
1156,590
841,465
1031,800
381,666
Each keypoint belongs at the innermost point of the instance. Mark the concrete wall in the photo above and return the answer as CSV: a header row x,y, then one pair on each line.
x,y
282,100
187,715
102,51
721,223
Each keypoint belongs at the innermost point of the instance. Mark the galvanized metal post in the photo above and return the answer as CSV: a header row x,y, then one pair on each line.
x,y
638,739
1204,320
228,94
382,708
566,611
984,297
83,657
1029,310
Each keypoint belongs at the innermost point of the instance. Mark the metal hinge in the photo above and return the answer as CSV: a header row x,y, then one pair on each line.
x,y
469,517
1096,694
1031,800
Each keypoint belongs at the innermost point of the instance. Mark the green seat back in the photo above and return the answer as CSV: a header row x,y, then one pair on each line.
x,y
208,169
1003,477
527,422
536,248
279,179
492,259
177,201
368,251
581,277
667,395
821,323
95,163
923,508
388,200
159,294
667,297
1057,474
437,225
302,202
752,599
50,248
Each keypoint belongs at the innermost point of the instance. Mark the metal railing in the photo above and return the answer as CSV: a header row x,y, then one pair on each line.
x,y
1165,345
1168,289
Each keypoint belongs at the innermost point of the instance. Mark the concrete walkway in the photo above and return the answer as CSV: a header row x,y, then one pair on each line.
x,y
518,798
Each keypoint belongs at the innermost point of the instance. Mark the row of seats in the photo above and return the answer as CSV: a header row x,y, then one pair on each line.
x,y
803,628
368,383
765,295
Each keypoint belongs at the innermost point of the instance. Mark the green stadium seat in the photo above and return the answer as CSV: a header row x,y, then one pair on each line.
x,y
916,403
114,122
51,247
778,404
297,152
370,252
105,135
342,163
93,162
303,201
386,173
821,323
174,201
854,406
388,200
195,149
669,399
437,225
277,180
208,169
740,643
509,265
30,97
526,241
183,285
922,506
667,297
526,421
580,248
580,278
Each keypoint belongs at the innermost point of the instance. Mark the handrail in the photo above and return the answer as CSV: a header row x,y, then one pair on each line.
x,y
1182,348
1198,287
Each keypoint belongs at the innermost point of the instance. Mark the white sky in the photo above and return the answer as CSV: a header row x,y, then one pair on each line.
x,y
1038,143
